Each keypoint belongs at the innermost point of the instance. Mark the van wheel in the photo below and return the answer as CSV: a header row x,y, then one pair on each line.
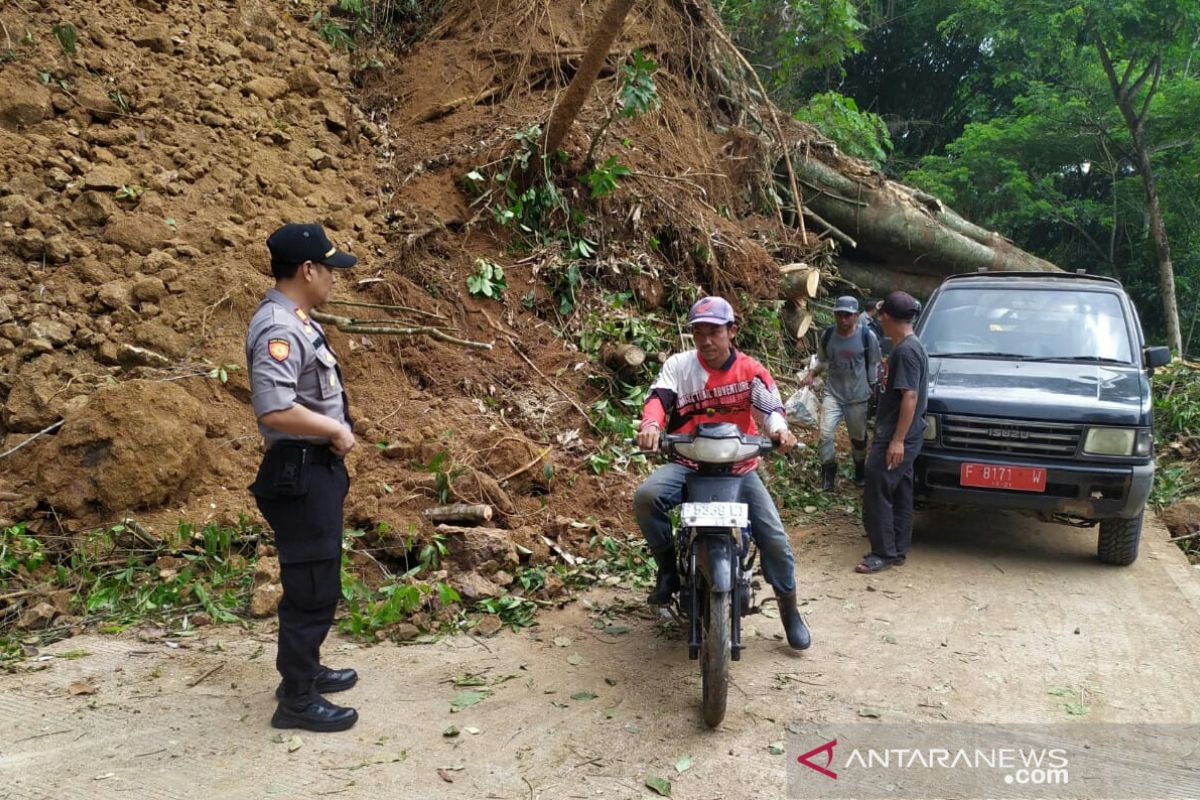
x,y
1119,539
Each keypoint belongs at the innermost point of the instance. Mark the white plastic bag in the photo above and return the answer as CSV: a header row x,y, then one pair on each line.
x,y
803,408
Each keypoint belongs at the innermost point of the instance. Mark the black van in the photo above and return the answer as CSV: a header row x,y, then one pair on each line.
x,y
1039,402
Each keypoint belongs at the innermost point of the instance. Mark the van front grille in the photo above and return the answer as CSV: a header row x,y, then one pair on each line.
x,y
1017,437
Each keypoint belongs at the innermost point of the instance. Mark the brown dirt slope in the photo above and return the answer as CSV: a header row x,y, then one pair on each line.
x,y
144,171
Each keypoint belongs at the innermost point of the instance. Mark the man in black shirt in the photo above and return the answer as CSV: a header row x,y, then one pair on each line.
x,y
899,431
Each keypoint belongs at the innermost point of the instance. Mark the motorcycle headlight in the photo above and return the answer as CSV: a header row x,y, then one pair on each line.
x,y
716,451
931,427
1110,441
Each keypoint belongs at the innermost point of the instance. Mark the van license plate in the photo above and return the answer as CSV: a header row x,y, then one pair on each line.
x,y
994,476
714,515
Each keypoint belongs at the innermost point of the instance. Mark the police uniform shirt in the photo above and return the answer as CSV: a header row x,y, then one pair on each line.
x,y
291,363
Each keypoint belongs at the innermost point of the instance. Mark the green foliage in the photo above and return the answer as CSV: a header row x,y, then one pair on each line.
x,y
637,93
487,280
67,37
444,476
515,612
21,554
787,38
370,611
332,31
130,192
858,133
602,180
221,372
1176,422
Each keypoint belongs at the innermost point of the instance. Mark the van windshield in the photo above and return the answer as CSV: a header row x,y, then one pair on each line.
x,y
1025,323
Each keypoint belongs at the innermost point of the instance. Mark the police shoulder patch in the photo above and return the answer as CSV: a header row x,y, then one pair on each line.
x,y
279,349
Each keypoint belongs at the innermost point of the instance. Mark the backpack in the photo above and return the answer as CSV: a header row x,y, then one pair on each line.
x,y
827,334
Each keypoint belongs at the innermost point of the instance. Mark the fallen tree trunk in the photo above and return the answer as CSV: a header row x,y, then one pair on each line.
x,y
903,228
800,281
876,280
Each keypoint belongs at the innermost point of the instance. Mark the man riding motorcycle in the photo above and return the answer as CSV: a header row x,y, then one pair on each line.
x,y
716,383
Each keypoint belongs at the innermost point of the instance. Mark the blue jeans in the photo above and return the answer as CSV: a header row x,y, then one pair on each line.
x,y
834,411
663,490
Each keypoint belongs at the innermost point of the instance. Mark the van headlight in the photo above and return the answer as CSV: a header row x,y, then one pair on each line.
x,y
931,427
1110,441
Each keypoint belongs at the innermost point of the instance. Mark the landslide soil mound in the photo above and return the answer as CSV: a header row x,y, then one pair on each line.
x,y
145,169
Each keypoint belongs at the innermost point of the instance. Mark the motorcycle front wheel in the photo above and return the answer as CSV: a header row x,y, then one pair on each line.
x,y
715,655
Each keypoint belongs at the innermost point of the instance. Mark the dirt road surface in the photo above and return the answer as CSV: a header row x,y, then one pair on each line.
x,y
991,615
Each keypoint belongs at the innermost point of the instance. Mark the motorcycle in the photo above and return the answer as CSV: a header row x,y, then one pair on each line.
x,y
716,552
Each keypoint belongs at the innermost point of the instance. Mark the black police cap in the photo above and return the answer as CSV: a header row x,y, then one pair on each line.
x,y
296,243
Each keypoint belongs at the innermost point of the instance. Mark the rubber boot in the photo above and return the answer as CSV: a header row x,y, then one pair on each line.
x,y
798,636
667,583
860,474
828,476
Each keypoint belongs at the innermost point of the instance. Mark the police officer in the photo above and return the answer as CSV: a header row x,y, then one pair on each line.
x,y
304,417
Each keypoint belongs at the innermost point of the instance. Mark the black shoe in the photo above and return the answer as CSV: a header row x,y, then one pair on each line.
x,y
667,583
860,474
828,476
312,712
328,681
798,636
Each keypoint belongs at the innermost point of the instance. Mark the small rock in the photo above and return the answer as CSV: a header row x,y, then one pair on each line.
x,y
115,295
106,353
97,103
264,602
473,586
200,619
304,80
502,578
405,632
107,177
266,570
30,244
129,355
40,346
266,88
57,179
5,313
92,208
318,158
226,52
24,103
36,617
54,332
488,625
58,249
156,38
15,210
149,290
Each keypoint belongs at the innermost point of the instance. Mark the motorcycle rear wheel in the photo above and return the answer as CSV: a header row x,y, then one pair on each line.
x,y
715,656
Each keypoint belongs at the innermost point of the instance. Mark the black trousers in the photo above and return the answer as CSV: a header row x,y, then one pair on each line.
x,y
888,500
308,535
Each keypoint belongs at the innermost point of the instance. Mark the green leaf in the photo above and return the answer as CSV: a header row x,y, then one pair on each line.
x,y
450,732
468,698
584,696
660,786
776,748
684,763
67,37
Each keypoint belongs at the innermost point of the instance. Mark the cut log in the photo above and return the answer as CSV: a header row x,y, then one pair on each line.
x,y
625,357
801,284
805,324
460,512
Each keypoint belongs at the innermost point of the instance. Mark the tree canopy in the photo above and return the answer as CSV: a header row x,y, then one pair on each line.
x,y
1069,128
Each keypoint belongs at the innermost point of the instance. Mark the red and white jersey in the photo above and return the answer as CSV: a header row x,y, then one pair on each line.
x,y
687,393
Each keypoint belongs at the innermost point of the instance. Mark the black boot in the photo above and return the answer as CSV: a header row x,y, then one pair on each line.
x,y
860,474
328,681
828,476
798,636
668,576
311,712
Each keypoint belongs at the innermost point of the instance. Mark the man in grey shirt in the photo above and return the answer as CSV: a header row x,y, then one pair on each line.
x,y
304,417
849,355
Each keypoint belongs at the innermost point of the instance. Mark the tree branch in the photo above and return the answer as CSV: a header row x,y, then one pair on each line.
x,y
1157,61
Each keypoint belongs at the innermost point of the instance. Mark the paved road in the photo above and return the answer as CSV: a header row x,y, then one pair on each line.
x,y
990,616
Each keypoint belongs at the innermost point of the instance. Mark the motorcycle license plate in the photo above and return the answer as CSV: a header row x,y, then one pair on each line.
x,y
992,476
714,515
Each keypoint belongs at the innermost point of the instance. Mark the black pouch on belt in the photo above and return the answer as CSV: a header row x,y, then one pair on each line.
x,y
286,471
